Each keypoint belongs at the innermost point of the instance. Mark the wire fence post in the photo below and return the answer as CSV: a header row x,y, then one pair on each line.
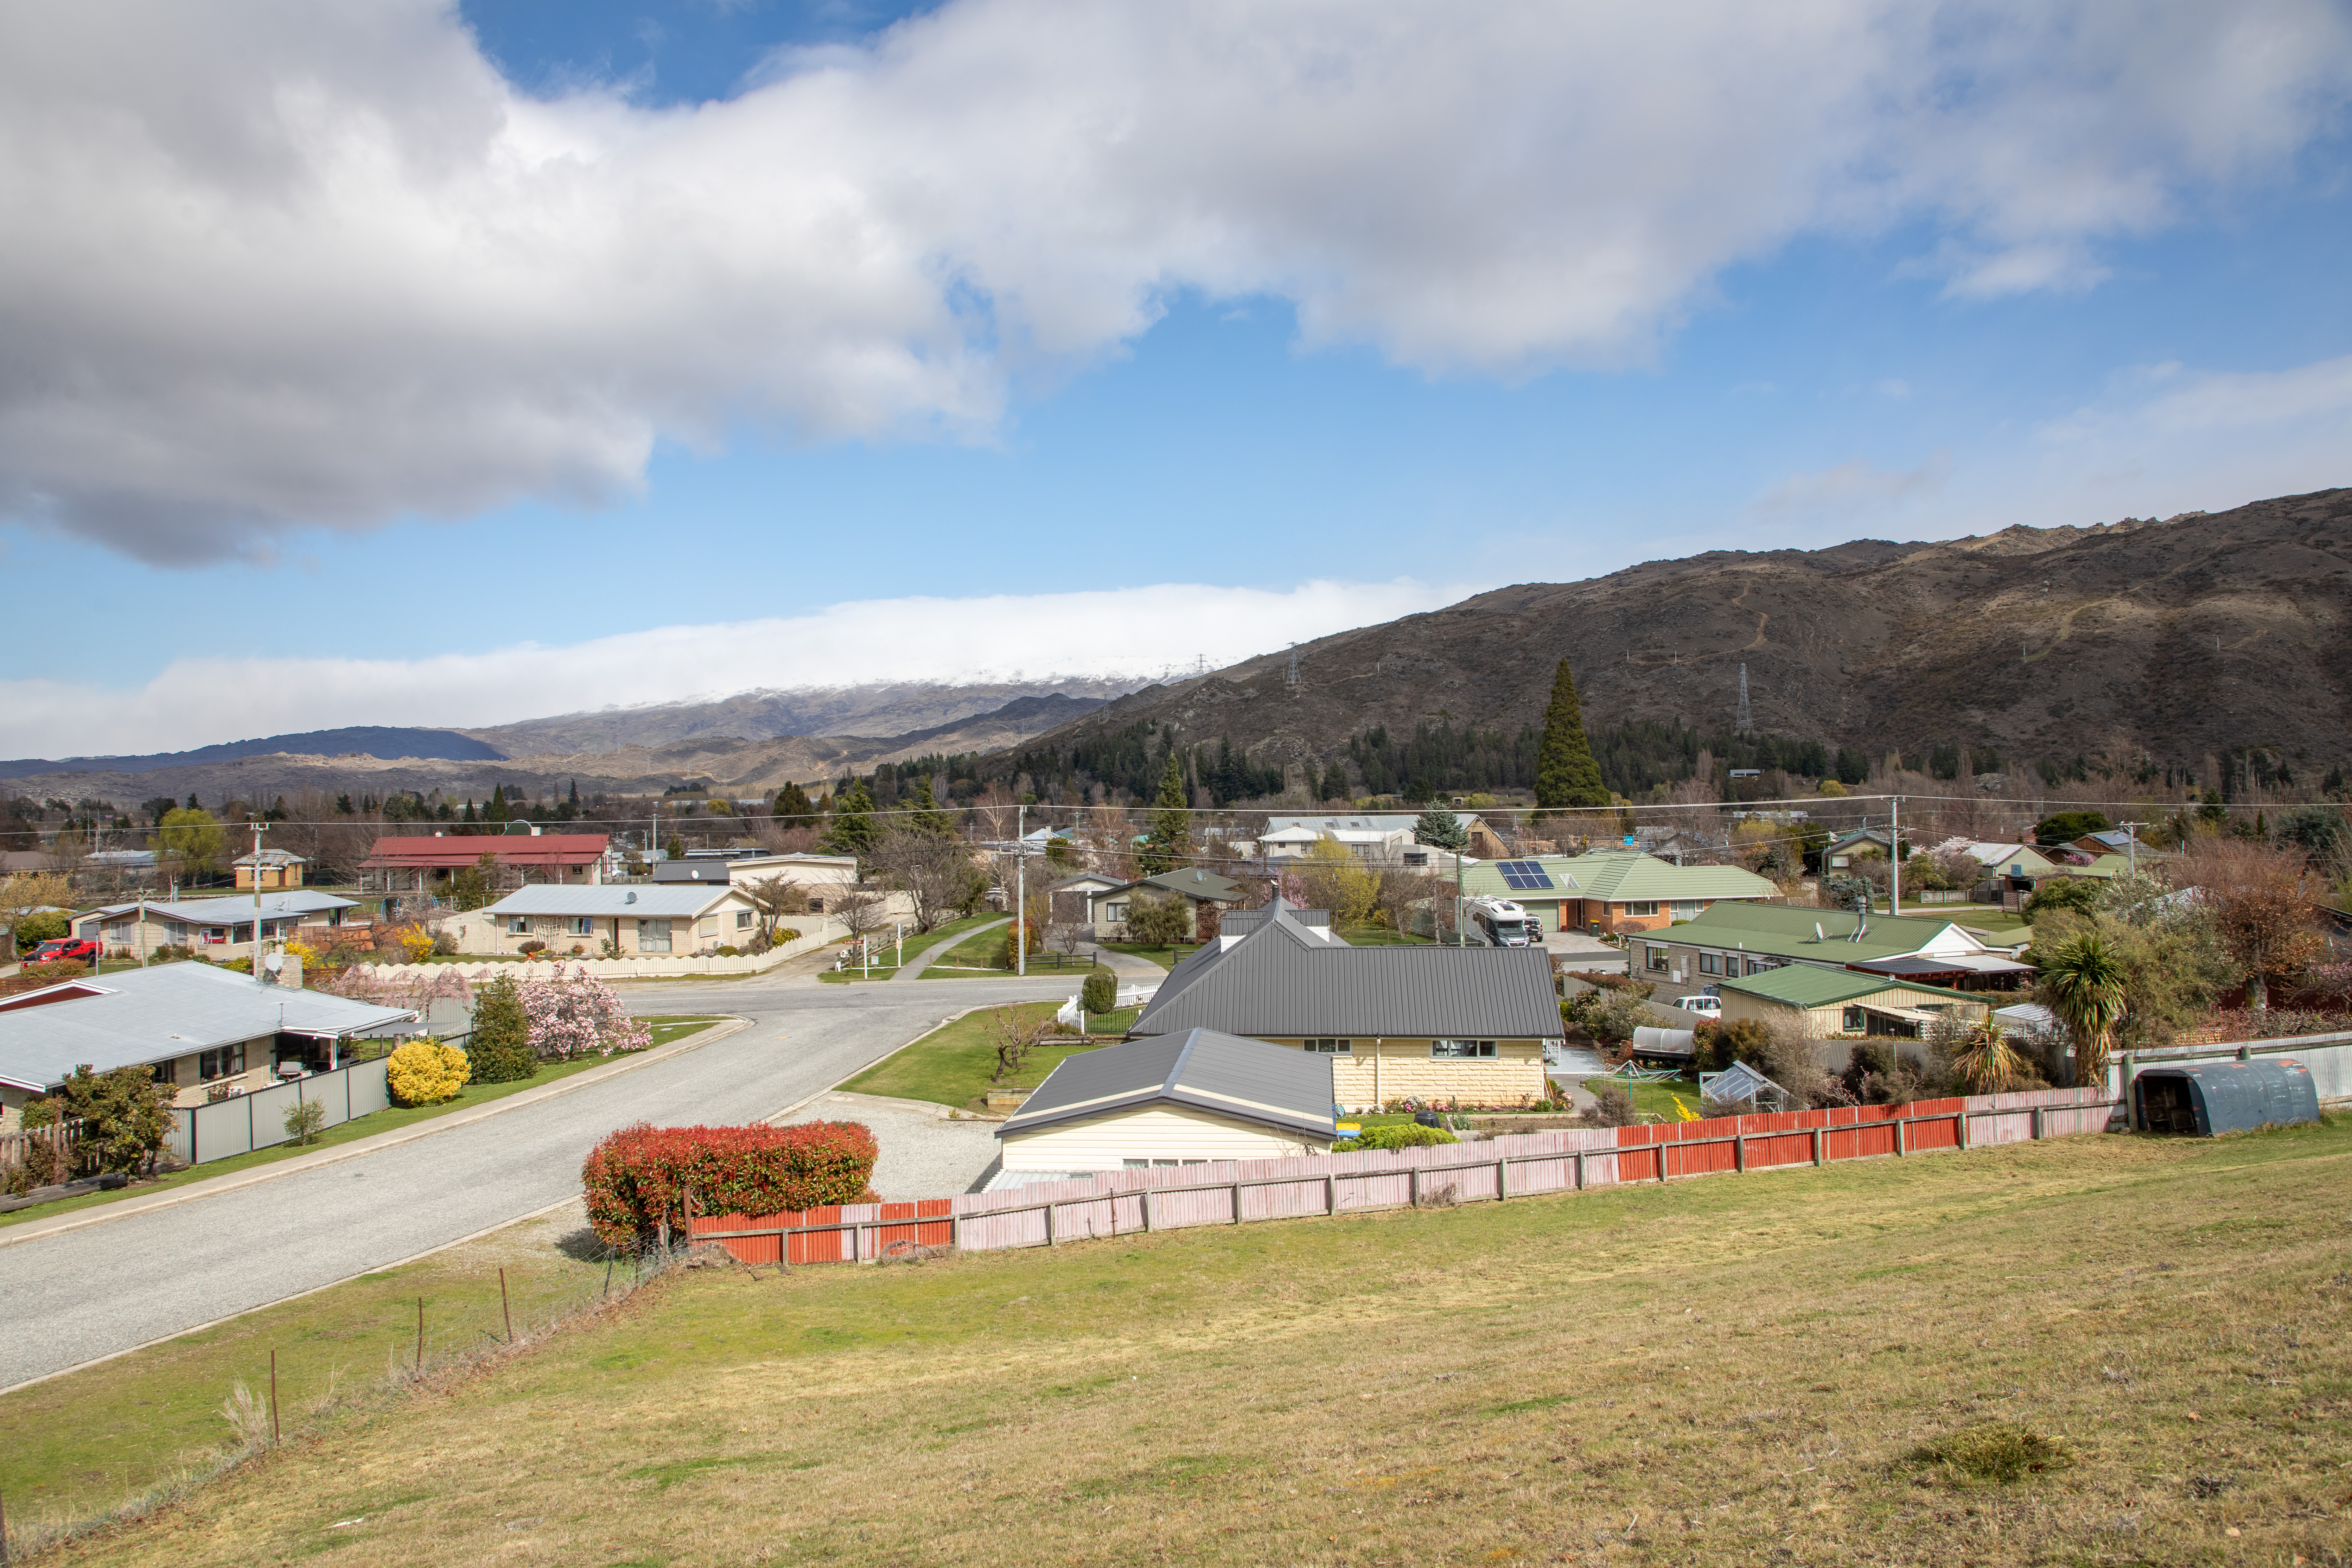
x,y
274,1433
504,1310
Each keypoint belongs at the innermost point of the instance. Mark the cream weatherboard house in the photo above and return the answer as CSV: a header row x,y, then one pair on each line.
x,y
1174,1100
677,918
1466,1025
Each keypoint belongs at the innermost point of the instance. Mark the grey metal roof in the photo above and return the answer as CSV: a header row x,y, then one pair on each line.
x,y
1241,922
1190,882
705,872
238,910
656,901
1202,1069
1281,979
153,1015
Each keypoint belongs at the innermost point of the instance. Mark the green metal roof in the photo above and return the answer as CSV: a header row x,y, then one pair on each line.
x,y
1619,876
1802,986
1783,930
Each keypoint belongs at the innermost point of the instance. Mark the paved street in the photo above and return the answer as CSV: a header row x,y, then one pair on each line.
x,y
91,1292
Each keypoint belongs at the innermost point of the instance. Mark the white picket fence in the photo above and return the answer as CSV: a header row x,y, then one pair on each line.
x,y
816,931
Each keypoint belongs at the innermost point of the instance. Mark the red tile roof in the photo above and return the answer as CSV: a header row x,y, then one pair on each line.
x,y
433,852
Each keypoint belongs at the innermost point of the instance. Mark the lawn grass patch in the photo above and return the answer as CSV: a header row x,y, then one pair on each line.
x,y
1381,936
390,1120
1682,1373
956,1063
1655,1098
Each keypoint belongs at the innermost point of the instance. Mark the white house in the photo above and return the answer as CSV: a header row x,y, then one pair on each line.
x,y
1178,1100
220,929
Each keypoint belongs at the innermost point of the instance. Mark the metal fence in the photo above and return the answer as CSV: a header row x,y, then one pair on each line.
x,y
242,1124
1233,1191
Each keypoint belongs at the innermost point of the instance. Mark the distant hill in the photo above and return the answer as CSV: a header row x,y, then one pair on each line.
x,y
2200,636
366,740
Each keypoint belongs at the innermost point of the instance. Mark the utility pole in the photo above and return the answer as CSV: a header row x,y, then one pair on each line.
x,y
1460,937
2131,844
1020,888
1895,854
260,827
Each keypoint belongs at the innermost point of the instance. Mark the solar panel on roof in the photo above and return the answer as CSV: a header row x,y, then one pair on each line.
x,y
1523,875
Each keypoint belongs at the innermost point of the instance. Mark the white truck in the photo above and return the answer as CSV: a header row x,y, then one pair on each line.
x,y
1502,922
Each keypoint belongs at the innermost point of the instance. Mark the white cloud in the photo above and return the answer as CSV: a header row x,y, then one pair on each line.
x,y
278,264
1139,631
1855,485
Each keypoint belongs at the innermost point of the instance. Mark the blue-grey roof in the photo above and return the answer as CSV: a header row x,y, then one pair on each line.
x,y
1191,882
1284,980
657,901
238,910
153,1015
1241,922
1203,1070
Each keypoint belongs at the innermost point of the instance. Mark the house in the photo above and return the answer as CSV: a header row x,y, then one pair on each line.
x,y
823,877
269,869
1071,900
1383,838
1611,889
1848,847
218,928
411,862
1111,908
1173,1099
1831,1002
1464,1024
2010,871
206,1031
1732,940
678,918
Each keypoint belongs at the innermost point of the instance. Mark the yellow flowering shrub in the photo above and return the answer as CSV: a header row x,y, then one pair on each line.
x,y
426,1072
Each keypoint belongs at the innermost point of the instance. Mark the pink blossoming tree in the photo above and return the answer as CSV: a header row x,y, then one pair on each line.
x,y
572,1015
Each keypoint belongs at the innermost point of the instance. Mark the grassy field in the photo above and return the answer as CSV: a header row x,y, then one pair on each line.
x,y
1381,936
1804,1366
1165,957
953,1065
663,1030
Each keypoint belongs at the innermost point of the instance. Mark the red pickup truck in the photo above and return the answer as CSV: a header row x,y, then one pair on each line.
x,y
80,947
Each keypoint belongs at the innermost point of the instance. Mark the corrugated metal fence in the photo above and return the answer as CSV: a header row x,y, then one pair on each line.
x,y
258,1120
1120,1203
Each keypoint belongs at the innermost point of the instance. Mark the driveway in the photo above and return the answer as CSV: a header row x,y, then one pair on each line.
x,y
93,1292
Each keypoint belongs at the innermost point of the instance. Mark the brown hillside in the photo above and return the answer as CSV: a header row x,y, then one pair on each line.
x,y
2182,638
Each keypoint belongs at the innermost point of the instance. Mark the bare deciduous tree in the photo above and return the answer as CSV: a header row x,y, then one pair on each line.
x,y
935,871
859,911
774,897
1014,1031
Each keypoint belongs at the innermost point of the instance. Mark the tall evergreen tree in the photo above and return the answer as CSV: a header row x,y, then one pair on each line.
x,y
925,815
500,1050
792,808
496,811
853,831
1172,827
1335,782
1441,829
1566,774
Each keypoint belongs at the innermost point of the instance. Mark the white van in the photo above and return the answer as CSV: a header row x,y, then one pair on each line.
x,y
1706,1006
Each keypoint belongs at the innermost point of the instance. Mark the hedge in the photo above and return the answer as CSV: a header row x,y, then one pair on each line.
x,y
640,1176
1410,1135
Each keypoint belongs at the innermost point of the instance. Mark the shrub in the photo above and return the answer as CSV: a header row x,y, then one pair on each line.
x,y
572,1015
55,970
125,1115
1612,1104
444,944
532,948
1410,1135
416,944
500,1047
40,926
1100,993
1156,922
1008,956
303,1121
426,1072
639,1176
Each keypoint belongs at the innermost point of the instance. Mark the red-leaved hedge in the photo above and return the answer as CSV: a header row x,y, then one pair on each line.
x,y
640,1176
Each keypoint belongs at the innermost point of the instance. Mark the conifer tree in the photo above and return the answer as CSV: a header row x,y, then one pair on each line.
x,y
853,831
1171,828
1566,774
500,1048
792,808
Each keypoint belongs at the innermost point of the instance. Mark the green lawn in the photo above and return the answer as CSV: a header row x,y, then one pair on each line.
x,y
1656,1098
918,943
1381,936
664,1028
1165,957
955,1065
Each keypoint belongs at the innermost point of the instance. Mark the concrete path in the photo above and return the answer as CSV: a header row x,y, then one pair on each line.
x,y
107,1288
1130,970
928,1151
939,950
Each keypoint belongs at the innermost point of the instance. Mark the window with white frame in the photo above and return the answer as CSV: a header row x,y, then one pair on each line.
x,y
1643,907
1461,1051
175,932
518,925
653,936
1115,912
226,1062
742,919
1332,1047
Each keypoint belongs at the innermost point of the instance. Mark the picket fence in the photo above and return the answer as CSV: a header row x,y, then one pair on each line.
x,y
60,1137
1122,1202
817,930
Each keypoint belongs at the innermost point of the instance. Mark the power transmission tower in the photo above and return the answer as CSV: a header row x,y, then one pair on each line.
x,y
1746,717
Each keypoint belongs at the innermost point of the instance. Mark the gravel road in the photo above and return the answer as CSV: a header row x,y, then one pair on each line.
x,y
88,1293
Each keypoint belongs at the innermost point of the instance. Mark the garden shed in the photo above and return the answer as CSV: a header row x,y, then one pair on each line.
x,y
2207,1099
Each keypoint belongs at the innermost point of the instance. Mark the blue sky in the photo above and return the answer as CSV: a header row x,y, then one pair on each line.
x,y
2142,319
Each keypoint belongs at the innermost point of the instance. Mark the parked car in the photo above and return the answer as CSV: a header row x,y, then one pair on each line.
x,y
1710,1006
50,951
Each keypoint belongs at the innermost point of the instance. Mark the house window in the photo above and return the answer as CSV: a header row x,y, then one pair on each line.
x,y
1657,960
119,933
1643,907
1116,913
742,919
215,933
653,936
518,925
1854,1021
1709,965
1460,1050
226,1062
1332,1047
1686,908
582,925
167,1072
710,926
175,932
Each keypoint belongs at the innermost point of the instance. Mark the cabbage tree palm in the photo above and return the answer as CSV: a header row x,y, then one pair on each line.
x,y
2083,982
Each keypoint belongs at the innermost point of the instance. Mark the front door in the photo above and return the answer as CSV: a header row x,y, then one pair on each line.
x,y
653,936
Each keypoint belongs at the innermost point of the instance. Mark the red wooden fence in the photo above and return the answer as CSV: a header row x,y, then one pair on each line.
x,y
1120,1203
